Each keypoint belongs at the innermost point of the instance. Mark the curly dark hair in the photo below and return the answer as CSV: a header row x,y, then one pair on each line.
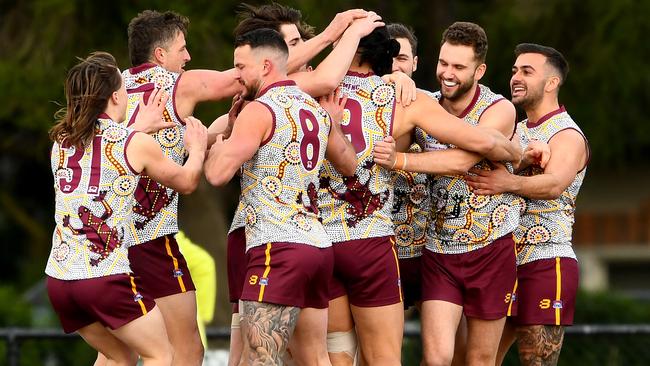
x,y
467,34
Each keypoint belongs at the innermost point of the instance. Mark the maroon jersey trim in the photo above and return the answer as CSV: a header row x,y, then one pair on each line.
x,y
545,117
359,74
586,144
266,140
276,84
471,104
174,100
126,156
141,68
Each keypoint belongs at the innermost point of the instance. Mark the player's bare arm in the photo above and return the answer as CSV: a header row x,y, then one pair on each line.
x,y
446,128
501,117
569,156
329,73
145,156
253,126
223,124
303,53
195,86
339,149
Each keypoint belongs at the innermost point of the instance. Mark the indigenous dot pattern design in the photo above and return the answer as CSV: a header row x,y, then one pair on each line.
x,y
361,206
460,220
156,211
279,184
546,226
92,211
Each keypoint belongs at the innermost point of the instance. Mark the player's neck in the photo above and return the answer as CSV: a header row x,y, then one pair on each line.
x,y
457,106
544,107
270,80
357,67
112,112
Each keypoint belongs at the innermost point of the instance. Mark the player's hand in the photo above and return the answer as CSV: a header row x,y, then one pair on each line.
x,y
334,104
405,89
237,104
340,23
384,153
536,153
486,182
149,118
196,136
364,26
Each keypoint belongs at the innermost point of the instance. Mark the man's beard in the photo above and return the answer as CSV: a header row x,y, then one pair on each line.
x,y
463,87
531,99
251,92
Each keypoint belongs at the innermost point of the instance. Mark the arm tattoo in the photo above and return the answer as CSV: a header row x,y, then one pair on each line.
x,y
267,328
540,345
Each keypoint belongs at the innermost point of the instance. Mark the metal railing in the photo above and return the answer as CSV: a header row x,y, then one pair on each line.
x,y
14,337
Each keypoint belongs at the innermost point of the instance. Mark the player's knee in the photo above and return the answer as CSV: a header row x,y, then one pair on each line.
x,y
342,342
163,354
481,357
437,359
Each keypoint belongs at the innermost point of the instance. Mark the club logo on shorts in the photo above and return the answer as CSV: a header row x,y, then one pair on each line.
x,y
137,297
178,273
264,281
557,304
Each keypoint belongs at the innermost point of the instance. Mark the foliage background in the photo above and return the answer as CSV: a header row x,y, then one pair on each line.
x,y
607,92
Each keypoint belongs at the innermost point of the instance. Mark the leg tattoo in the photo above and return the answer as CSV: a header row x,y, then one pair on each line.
x,y
540,345
267,328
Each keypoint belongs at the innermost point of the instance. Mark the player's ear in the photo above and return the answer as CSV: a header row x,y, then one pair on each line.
x,y
552,83
115,98
159,55
480,71
415,63
267,66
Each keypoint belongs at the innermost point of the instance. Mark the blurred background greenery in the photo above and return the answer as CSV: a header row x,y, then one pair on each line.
x,y
607,93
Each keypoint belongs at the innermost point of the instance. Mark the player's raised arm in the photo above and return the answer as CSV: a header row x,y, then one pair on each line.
x,y
303,53
195,86
329,73
252,127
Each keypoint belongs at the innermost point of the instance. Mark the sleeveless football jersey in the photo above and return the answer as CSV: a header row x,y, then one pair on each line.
x,y
238,220
93,190
411,204
460,220
156,209
546,226
361,206
279,184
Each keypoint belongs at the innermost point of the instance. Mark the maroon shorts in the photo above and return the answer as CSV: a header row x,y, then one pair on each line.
x,y
161,267
481,281
546,294
112,300
236,262
288,274
367,271
410,273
